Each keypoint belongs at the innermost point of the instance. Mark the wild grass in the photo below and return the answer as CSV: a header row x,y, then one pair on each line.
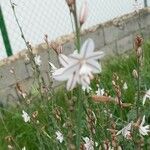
x,y
58,112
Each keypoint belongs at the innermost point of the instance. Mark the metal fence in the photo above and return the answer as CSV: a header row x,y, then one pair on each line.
x,y
39,17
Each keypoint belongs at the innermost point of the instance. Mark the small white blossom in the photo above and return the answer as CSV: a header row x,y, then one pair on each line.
x,y
79,67
137,6
25,116
89,144
87,89
125,86
100,92
38,60
59,137
146,96
144,129
24,148
126,131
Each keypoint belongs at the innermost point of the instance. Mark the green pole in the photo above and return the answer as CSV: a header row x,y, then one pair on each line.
x,y
145,3
5,34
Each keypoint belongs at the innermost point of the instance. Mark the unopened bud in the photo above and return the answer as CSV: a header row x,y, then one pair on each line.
x,y
138,42
135,74
139,52
83,13
70,2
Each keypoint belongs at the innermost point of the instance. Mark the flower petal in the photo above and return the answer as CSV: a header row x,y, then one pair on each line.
x,y
63,59
94,65
58,75
87,47
96,55
72,81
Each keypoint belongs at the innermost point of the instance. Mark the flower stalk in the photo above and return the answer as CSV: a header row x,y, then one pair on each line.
x,y
139,54
77,28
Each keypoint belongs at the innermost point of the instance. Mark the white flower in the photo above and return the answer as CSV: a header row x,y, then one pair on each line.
x,y
125,86
137,5
89,144
100,92
144,129
79,67
24,148
147,95
59,137
38,60
126,131
25,116
87,89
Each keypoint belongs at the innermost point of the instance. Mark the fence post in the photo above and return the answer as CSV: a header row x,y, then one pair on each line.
x,y
145,3
5,34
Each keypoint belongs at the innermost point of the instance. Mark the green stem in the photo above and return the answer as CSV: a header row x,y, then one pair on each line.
x,y
81,95
34,65
79,117
77,28
138,88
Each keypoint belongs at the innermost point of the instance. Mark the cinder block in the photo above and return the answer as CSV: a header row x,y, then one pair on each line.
x,y
45,59
8,96
110,49
97,36
132,25
113,33
7,78
146,33
46,77
29,69
125,44
68,48
145,20
27,84
20,70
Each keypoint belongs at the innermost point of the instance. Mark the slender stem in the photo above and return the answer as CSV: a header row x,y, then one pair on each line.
x,y
79,117
72,25
138,88
80,93
33,63
20,28
76,27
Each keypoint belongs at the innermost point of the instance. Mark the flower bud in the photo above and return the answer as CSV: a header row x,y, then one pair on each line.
x,y
70,2
139,52
83,13
138,42
135,74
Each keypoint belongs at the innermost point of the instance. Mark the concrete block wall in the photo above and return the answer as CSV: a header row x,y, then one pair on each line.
x,y
113,37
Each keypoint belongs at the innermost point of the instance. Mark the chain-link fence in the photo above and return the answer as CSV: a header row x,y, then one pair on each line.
x,y
39,17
